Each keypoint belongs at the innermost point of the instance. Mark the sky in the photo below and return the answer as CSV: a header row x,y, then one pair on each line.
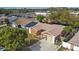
x,y
39,3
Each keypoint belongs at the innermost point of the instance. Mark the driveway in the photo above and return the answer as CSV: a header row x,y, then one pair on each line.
x,y
43,45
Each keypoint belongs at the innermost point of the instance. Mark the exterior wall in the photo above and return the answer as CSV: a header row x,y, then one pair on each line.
x,y
30,30
70,46
53,39
33,31
76,48
66,45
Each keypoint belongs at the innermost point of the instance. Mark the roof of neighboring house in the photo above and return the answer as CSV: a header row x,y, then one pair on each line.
x,y
22,21
12,18
75,39
2,18
52,29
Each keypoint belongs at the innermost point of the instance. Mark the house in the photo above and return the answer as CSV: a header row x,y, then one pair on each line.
x,y
48,31
72,44
41,13
24,23
12,19
74,13
20,22
2,19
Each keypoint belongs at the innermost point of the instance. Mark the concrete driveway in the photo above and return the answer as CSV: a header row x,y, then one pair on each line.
x,y
43,45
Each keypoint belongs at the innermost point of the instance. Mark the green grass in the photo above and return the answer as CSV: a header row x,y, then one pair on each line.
x,y
61,49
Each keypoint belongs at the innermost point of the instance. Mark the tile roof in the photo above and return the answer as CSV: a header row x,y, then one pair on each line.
x,y
22,21
12,18
75,39
53,29
40,26
56,30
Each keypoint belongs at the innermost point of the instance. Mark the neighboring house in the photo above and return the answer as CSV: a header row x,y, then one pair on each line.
x,y
24,23
72,44
21,22
47,31
12,19
41,13
2,20
74,13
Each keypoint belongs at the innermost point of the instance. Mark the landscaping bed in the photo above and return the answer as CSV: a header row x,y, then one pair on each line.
x,y
63,49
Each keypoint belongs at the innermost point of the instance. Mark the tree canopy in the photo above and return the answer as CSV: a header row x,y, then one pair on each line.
x,y
60,15
40,18
63,16
12,38
68,29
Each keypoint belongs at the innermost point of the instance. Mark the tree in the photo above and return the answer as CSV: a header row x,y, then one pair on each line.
x,y
12,38
61,16
68,29
76,24
40,18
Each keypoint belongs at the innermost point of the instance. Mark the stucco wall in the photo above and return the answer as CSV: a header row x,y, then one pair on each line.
x,y
76,48
33,31
53,39
66,45
30,30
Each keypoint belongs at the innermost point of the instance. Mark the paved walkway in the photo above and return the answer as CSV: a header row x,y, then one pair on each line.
x,y
43,45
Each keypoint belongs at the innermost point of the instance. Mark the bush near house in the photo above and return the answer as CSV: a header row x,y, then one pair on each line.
x,y
62,49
